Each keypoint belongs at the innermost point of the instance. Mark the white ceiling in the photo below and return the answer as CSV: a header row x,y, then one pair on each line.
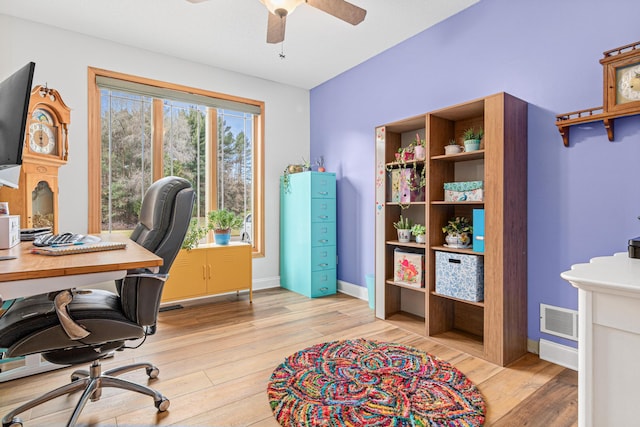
x,y
231,34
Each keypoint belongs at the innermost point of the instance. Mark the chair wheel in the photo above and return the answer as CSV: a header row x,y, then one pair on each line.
x,y
153,372
162,404
15,422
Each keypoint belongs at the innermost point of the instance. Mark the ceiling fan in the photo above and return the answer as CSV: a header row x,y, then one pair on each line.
x,y
279,9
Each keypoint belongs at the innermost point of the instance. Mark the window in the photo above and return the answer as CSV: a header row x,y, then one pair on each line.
x,y
141,130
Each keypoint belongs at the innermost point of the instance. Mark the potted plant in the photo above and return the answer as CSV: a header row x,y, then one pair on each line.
x,y
419,231
458,232
404,229
222,222
405,154
472,139
195,234
452,147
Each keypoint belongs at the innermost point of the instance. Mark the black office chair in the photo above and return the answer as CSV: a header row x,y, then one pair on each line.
x,y
85,326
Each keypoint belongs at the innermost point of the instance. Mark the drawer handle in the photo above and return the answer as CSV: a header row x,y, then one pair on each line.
x,y
324,193
324,289
323,265
323,240
454,261
479,237
323,216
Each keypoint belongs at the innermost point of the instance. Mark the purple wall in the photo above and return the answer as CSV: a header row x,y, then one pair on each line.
x,y
583,200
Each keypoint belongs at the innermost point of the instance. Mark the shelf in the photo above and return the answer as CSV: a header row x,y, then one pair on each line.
x,y
405,204
590,115
462,341
407,244
408,163
407,321
443,203
494,329
477,304
400,285
466,251
473,155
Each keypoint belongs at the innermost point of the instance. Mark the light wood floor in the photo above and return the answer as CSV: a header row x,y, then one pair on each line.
x,y
215,361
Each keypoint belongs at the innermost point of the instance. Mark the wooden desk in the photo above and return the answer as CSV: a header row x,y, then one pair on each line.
x,y
32,274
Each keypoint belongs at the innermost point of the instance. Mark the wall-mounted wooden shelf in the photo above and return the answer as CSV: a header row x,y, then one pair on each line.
x,y
565,121
621,67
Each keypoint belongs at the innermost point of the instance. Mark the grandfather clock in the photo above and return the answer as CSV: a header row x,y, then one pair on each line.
x,y
46,149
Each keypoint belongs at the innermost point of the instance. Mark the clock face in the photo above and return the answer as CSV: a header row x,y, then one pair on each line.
x,y
42,134
628,84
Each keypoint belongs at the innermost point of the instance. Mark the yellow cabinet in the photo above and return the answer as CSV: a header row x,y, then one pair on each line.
x,y
209,270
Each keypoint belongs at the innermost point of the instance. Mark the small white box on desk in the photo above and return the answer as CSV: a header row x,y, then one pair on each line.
x,y
9,231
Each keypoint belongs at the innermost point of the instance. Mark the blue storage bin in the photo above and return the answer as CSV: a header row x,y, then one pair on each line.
x,y
460,276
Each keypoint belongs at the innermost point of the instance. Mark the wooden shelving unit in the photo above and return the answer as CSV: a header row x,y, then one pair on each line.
x,y
494,329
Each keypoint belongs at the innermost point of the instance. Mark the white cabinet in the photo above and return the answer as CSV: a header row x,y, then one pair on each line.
x,y
609,339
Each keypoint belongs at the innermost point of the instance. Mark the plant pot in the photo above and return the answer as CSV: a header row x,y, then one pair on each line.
x,y
452,149
461,240
222,237
404,236
420,238
420,152
471,145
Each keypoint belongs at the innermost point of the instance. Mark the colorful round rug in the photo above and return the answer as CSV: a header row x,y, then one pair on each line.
x,y
368,383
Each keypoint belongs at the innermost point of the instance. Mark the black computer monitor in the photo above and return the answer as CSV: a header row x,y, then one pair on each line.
x,y
15,92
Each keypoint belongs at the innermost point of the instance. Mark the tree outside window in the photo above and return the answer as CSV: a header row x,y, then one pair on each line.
x,y
143,138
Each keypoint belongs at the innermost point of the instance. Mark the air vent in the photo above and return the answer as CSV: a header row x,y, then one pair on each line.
x,y
559,321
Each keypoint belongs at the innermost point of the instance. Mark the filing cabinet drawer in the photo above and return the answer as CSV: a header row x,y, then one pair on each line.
x,y
323,210
323,283
323,258
323,233
323,186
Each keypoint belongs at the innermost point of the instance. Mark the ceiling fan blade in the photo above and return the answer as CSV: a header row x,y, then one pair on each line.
x,y
275,28
340,9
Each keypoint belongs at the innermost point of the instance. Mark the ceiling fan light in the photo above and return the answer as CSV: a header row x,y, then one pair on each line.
x,y
288,5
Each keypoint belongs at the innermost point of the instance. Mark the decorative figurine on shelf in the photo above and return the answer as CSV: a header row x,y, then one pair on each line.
x,y
320,164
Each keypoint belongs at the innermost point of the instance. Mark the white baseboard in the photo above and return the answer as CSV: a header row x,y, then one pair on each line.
x,y
267,283
559,354
355,291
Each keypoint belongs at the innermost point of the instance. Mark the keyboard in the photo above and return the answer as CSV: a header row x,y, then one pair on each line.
x,y
57,239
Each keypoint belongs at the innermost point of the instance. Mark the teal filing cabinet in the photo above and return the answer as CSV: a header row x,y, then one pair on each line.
x,y
308,233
